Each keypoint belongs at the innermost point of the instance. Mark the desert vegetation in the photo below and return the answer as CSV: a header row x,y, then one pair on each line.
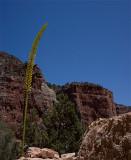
x,y
8,146
60,130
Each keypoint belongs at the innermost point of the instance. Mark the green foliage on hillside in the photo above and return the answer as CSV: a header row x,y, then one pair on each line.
x,y
60,130
63,126
8,147
55,87
36,135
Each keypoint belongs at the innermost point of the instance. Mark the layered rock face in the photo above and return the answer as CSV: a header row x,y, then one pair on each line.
x,y
92,101
12,72
108,139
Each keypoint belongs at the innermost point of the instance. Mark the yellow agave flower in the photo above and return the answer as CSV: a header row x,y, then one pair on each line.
x,y
28,78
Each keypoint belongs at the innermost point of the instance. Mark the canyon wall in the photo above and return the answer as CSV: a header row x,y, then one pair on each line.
x,y
12,72
92,101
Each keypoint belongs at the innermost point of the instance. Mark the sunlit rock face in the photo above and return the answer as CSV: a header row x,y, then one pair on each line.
x,y
92,101
12,72
107,139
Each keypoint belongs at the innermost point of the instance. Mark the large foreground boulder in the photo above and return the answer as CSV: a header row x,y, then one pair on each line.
x,y
108,139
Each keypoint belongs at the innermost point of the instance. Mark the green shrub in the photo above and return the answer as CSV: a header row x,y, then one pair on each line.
x,y
63,126
8,147
36,136
60,130
35,133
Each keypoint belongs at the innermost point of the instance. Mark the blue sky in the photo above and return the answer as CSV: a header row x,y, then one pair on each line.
x,y
86,40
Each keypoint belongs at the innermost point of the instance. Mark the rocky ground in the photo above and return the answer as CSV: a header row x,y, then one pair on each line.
x,y
34,153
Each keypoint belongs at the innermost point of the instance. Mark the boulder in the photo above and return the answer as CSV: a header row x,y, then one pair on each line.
x,y
49,153
35,152
107,139
68,156
23,158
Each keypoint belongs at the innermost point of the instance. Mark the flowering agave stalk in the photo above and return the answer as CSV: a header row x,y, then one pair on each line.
x,y
28,79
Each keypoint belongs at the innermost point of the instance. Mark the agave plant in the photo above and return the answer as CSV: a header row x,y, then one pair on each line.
x,y
28,79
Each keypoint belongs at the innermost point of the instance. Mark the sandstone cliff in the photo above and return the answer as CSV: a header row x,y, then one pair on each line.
x,y
12,72
92,101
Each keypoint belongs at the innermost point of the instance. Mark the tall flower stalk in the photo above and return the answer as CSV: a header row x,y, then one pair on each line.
x,y
28,79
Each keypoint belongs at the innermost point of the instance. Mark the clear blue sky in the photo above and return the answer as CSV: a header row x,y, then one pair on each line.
x,y
86,40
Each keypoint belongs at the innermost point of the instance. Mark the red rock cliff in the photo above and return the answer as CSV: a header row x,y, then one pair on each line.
x,y
12,72
92,101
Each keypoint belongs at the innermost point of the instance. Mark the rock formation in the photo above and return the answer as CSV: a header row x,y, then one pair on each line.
x,y
105,139
108,139
12,72
34,153
92,101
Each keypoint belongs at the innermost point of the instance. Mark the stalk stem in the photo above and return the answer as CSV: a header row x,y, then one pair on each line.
x,y
24,122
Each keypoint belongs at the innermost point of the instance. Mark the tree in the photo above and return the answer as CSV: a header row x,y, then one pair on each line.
x,y
63,126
